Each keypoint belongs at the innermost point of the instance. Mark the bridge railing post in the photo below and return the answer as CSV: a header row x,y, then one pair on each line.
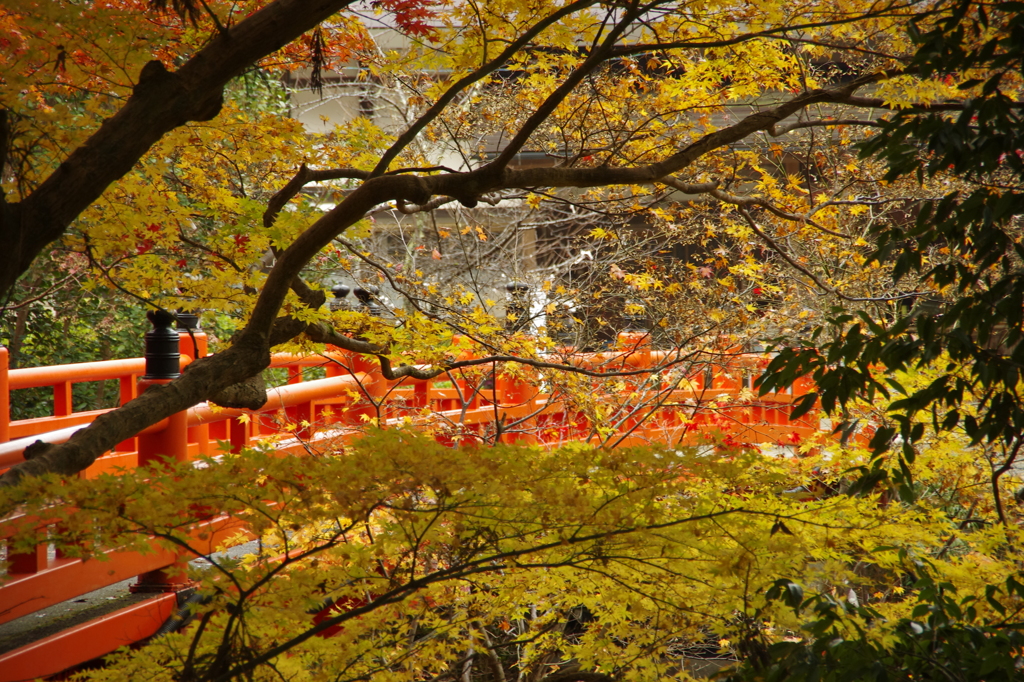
x,y
163,362
636,343
516,399
372,385
62,399
128,389
5,396
239,434
30,562
162,367
514,396
466,388
374,388
193,339
301,417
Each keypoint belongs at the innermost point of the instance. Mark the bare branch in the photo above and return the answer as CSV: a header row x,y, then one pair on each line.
x,y
406,138
578,676
779,33
877,103
322,333
778,131
303,177
814,278
206,249
711,189
548,106
47,292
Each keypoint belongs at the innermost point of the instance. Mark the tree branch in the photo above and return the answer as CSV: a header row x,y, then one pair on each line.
x,y
578,676
303,177
877,103
47,292
482,180
711,188
438,202
774,246
406,138
778,131
779,32
322,333
160,102
597,57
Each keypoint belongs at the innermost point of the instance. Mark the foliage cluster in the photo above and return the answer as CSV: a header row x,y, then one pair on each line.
x,y
961,255
721,134
423,562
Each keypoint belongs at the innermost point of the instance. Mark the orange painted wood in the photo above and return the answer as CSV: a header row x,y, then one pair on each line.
x,y
30,377
5,397
33,427
65,579
707,402
85,642
28,562
69,578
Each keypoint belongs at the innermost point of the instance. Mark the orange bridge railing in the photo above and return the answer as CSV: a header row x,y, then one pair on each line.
x,y
707,400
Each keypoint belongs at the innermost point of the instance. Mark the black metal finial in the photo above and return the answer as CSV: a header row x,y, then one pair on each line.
x,y
367,295
162,353
518,305
187,321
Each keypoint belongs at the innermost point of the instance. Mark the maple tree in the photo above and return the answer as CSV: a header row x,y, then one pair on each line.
x,y
723,133
628,114
400,561
960,255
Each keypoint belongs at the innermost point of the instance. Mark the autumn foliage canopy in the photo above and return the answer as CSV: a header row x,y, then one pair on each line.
x,y
837,181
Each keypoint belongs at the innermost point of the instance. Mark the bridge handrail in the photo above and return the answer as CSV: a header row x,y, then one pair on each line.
x,y
12,452
635,355
280,397
277,398
35,377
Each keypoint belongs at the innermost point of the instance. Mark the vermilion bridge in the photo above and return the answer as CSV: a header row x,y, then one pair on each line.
x,y
706,399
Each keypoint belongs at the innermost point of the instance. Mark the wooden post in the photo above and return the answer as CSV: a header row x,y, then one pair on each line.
x,y
163,361
373,386
516,400
5,397
162,364
192,339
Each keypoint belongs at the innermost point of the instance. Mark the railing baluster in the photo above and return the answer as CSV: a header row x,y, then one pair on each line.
x,y
127,387
62,406
22,563
5,397
240,434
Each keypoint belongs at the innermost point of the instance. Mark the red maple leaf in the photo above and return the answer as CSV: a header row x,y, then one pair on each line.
x,y
412,16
